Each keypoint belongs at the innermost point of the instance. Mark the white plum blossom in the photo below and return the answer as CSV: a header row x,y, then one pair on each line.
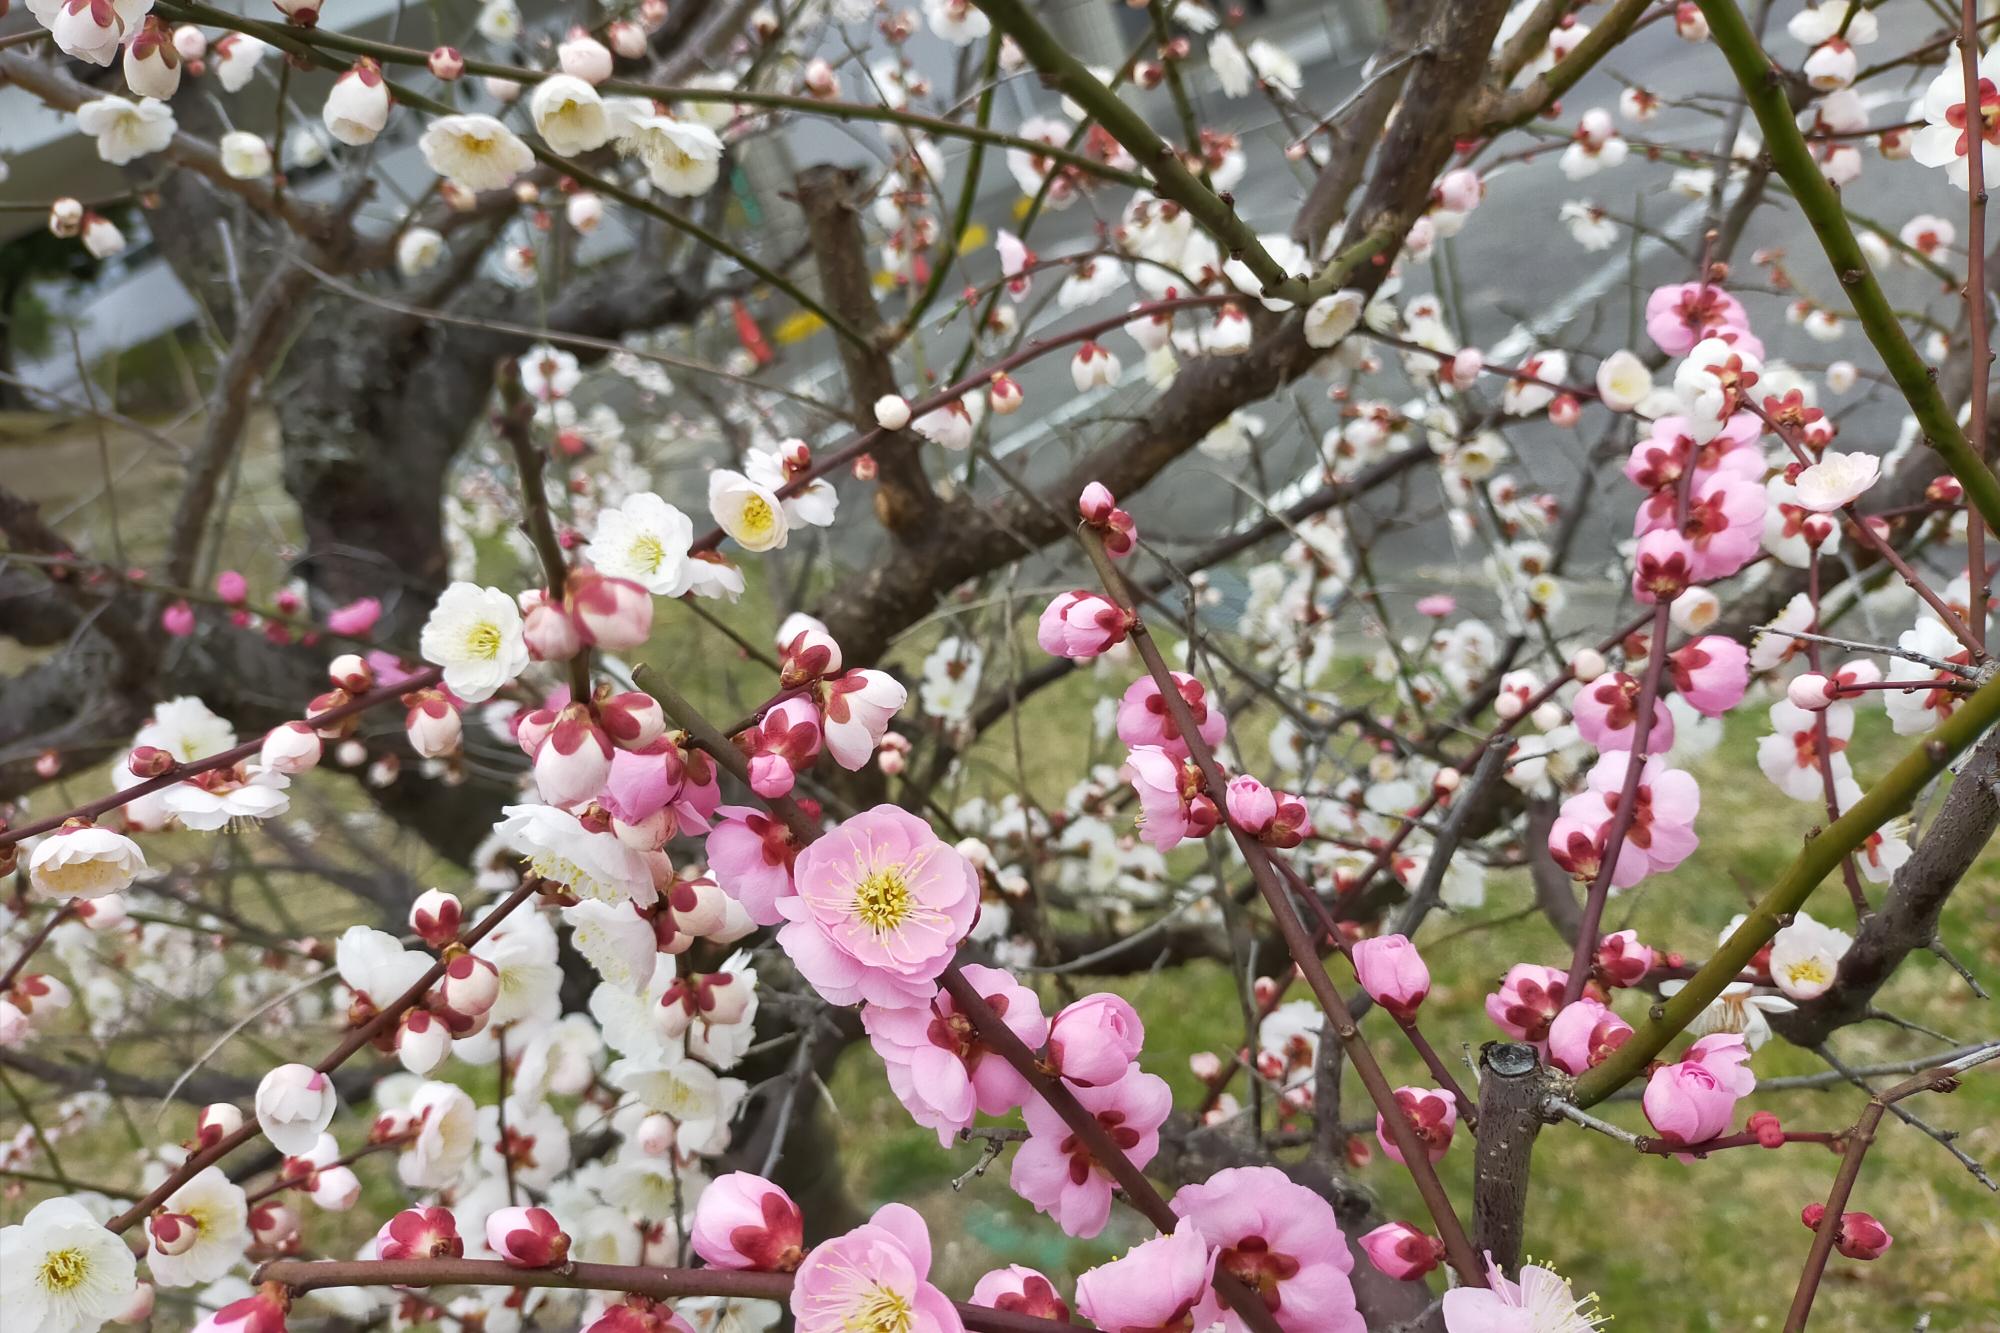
x,y
1805,957
126,131
475,634
751,514
646,540
474,152
1946,141
569,115
245,156
221,1219
84,862
682,158
62,1271
1836,480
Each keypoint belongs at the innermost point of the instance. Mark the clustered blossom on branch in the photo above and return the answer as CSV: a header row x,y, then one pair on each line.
x,y
566,1065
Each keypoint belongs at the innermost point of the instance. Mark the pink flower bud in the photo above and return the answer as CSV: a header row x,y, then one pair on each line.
x,y
1527,1001
627,39
419,1233
149,761
1862,1237
1393,973
1695,1100
573,760
633,720
173,1233
301,13
527,1237
470,985
218,1120
1400,1251
432,724
1565,410
1003,394
1431,1113
1097,504
231,587
351,672
1094,1041
435,917
1769,1130
1811,691
178,620
273,1223
743,1221
355,619
1622,960
614,614
261,1313
446,63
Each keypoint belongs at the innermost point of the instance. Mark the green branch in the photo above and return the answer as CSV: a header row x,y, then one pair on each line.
x,y
1820,857
1764,87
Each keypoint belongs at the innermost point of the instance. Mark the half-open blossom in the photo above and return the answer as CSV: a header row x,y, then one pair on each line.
x,y
1607,714
615,614
84,861
1585,1034
1953,128
1095,1040
1710,673
1856,1235
1527,1001
751,514
874,1279
744,1221
1695,1100
937,1064
152,65
420,1233
682,158
556,845
569,114
294,1104
856,708
751,856
1276,818
261,1312
1144,718
1156,1285
1622,960
1054,1169
882,902
212,1227
1019,1290
61,1271
782,742
1100,511
1393,973
1280,1240
1173,806
1431,1113
1081,625
357,107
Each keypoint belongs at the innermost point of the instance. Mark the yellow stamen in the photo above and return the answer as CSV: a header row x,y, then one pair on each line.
x,y
883,1312
882,900
63,1270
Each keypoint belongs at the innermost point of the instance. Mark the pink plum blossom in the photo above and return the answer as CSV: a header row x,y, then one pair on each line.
x,y
1607,715
781,743
744,1221
1154,1288
1622,960
526,1237
1172,805
1081,625
420,1233
1393,973
1711,673
882,902
1055,1171
874,1277
937,1065
1143,718
1681,314
1527,1001
356,618
1279,1239
751,855
1432,1113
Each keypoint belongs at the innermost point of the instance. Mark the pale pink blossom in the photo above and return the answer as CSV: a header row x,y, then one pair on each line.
x,y
1056,1173
1082,625
1096,1040
1695,1100
1393,973
1173,806
527,1237
751,856
1279,1239
1527,1001
1607,714
1584,1034
1710,673
1276,818
882,903
1679,315
1400,1251
1019,1290
1144,718
1156,1285
940,1068
1433,1116
874,1277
